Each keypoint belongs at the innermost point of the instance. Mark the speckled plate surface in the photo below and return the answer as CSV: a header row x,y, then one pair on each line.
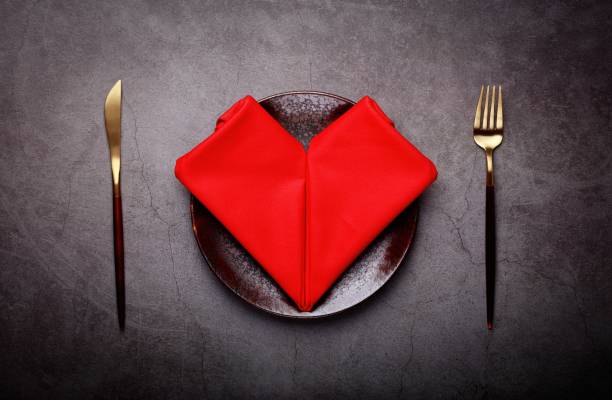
x,y
303,114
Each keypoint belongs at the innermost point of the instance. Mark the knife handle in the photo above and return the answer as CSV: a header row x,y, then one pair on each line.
x,y
490,253
119,259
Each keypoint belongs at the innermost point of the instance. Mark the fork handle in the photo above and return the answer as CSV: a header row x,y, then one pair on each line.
x,y
490,253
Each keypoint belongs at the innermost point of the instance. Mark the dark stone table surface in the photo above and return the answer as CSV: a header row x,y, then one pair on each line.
x,y
423,335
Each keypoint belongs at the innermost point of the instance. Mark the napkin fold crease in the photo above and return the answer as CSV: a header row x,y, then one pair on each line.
x,y
305,215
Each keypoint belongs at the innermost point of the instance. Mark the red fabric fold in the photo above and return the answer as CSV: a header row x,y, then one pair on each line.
x,y
305,216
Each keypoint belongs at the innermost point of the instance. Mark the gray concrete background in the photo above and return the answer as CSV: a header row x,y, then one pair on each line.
x,y
187,336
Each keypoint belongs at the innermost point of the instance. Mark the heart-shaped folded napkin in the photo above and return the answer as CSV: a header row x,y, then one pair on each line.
x,y
305,215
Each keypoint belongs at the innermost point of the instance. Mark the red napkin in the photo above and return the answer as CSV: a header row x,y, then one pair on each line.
x,y
305,215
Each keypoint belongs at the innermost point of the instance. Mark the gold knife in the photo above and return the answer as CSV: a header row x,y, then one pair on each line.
x,y
112,121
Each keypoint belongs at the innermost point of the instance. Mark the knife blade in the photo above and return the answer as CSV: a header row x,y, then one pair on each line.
x,y
112,122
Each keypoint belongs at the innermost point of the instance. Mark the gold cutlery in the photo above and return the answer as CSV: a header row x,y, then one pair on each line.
x,y
112,121
488,134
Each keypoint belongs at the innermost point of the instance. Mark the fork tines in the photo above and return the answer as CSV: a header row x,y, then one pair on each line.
x,y
487,121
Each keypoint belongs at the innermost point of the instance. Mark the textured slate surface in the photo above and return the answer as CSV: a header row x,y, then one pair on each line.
x,y
187,336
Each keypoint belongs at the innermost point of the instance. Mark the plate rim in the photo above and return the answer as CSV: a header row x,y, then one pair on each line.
x,y
311,92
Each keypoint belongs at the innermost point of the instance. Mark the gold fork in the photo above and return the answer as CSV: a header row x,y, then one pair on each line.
x,y
488,134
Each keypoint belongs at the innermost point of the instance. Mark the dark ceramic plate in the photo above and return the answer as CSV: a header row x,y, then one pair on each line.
x,y
303,114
